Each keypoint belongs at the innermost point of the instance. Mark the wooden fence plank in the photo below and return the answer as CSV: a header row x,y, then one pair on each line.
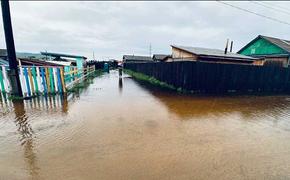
x,y
216,77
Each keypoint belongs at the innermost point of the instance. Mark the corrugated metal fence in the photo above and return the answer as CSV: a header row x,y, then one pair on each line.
x,y
216,77
37,80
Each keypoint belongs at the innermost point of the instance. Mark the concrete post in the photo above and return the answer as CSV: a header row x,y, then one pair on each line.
x,y
13,72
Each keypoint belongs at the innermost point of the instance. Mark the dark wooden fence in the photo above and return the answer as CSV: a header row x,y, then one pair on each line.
x,y
216,77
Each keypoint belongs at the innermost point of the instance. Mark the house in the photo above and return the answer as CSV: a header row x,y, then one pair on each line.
x,y
136,59
161,57
79,61
32,59
3,53
182,53
270,50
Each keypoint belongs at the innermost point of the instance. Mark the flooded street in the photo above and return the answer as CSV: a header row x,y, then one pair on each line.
x,y
121,129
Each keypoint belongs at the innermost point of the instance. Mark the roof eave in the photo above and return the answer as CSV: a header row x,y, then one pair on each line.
x,y
230,58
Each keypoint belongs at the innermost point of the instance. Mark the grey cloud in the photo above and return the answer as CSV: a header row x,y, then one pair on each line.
x,y
112,29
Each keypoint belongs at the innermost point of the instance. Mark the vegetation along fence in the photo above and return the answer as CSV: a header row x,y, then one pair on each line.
x,y
37,80
205,77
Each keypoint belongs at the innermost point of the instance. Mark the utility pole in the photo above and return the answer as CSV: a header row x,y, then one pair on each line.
x,y
13,69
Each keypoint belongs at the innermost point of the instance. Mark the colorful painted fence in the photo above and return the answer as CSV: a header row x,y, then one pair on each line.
x,y
36,80
75,75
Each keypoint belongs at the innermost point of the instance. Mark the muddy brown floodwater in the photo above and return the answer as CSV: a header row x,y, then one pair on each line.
x,y
121,129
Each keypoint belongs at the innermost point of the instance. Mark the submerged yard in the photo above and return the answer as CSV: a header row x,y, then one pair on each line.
x,y
121,129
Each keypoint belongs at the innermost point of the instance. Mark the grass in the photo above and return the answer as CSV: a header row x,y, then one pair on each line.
x,y
151,80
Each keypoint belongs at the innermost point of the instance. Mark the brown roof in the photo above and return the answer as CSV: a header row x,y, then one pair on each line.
x,y
213,52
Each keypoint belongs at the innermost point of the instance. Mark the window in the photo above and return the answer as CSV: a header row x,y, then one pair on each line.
x,y
253,51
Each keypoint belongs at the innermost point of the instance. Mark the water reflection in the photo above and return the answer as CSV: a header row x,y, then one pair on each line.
x,y
58,102
23,114
249,107
64,104
120,85
25,130
60,140
21,121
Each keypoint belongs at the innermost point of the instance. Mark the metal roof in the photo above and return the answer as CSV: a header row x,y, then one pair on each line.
x,y
211,52
282,43
37,62
3,52
137,58
63,63
160,56
3,62
62,55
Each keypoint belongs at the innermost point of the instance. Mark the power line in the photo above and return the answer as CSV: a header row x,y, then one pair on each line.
x,y
277,6
257,14
270,7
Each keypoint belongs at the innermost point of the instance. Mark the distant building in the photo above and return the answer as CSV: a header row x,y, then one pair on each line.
x,y
27,59
76,60
44,59
136,59
186,53
160,57
271,50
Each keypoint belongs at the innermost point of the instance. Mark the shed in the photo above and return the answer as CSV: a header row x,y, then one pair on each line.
x,y
271,50
80,60
160,57
181,53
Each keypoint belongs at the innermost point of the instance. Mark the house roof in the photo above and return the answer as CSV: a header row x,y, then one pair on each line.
x,y
212,52
26,61
62,55
137,58
282,43
62,63
36,62
24,55
3,52
160,56
3,62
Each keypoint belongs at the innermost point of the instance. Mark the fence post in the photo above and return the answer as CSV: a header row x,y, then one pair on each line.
x,y
59,80
43,80
35,80
31,81
27,81
22,81
62,80
6,80
47,80
55,79
2,81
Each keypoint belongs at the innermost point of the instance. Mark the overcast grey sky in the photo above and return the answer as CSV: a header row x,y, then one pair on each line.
x,y
112,29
